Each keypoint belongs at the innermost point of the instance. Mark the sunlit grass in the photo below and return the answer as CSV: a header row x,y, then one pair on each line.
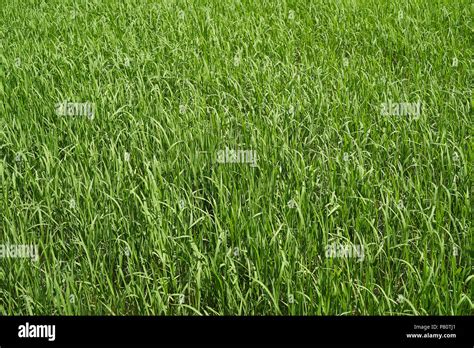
x,y
133,214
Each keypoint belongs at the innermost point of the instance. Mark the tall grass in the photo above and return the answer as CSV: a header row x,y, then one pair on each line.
x,y
130,210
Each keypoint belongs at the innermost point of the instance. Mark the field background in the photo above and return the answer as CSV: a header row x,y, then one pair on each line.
x,y
168,230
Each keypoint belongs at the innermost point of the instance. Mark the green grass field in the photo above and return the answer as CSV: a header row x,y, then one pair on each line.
x,y
236,157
